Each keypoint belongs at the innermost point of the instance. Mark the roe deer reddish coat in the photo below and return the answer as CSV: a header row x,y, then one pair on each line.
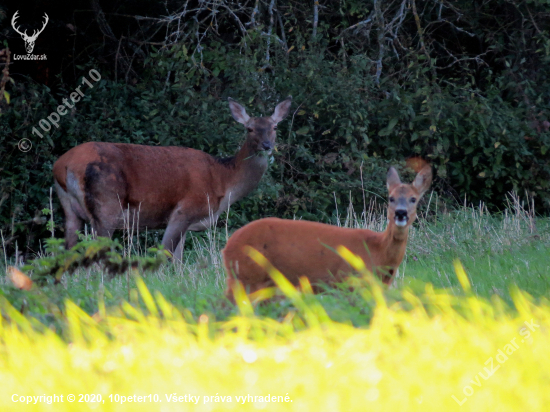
x,y
299,248
174,187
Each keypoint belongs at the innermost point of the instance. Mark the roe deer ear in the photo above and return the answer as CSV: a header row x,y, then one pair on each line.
x,y
423,179
392,179
282,109
238,112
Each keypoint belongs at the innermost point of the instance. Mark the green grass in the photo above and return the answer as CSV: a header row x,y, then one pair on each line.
x,y
496,251
527,266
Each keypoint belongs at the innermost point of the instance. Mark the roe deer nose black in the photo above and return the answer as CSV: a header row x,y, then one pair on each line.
x,y
266,145
401,214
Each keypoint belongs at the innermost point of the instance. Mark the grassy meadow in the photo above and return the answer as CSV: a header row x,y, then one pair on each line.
x,y
422,344
498,251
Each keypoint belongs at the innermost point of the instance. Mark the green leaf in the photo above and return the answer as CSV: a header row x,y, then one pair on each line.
x,y
303,130
392,124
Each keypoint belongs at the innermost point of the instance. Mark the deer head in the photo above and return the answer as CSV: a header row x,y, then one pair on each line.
x,y
404,198
261,130
29,40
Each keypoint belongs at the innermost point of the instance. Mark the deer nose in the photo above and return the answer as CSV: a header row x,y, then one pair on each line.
x,y
266,146
401,214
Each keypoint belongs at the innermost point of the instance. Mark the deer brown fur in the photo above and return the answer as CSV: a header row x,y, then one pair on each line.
x,y
174,187
299,248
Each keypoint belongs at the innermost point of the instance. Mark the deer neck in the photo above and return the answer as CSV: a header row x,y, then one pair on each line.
x,y
248,169
394,243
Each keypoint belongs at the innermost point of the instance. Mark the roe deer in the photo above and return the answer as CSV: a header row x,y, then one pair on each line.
x,y
299,248
174,187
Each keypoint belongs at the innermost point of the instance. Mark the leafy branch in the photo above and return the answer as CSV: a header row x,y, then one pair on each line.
x,y
103,251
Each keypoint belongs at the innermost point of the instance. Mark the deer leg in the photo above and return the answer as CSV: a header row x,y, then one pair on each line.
x,y
231,282
174,238
105,197
72,220
72,224
178,253
107,219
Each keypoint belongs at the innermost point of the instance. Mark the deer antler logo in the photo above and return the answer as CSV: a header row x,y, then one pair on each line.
x,y
29,40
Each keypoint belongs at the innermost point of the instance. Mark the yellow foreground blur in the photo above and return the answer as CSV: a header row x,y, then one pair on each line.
x,y
444,354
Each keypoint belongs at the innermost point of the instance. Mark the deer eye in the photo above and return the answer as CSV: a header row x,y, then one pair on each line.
x,y
249,129
413,200
392,199
274,127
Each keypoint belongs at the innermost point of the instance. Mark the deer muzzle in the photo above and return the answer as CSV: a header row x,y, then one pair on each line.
x,y
401,217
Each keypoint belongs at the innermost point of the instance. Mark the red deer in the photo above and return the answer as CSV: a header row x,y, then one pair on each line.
x,y
299,248
174,187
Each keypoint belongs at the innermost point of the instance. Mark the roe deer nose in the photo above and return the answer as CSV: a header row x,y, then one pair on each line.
x,y
401,214
266,145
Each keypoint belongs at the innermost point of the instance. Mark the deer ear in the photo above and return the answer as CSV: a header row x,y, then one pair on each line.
x,y
423,179
282,109
238,112
392,179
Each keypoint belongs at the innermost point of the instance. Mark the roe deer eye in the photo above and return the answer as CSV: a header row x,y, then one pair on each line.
x,y
392,199
249,129
274,127
413,199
